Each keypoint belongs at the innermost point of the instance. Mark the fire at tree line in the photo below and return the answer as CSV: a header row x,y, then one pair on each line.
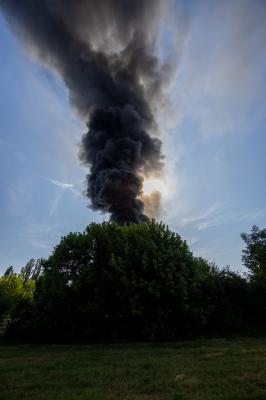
x,y
140,281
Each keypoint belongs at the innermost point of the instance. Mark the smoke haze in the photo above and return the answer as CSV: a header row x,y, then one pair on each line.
x,y
105,51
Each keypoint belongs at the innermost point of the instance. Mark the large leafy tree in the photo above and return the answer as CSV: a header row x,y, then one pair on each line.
x,y
254,258
120,281
254,254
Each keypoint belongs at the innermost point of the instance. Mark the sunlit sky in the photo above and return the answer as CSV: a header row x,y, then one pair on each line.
x,y
213,139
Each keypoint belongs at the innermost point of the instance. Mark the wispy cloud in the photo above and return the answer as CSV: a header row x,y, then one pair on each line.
x,y
61,184
204,215
217,88
65,186
218,214
232,216
59,195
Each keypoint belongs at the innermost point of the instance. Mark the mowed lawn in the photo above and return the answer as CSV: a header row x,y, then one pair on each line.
x,y
200,370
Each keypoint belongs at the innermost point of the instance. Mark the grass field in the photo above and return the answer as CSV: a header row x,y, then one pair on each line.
x,y
200,370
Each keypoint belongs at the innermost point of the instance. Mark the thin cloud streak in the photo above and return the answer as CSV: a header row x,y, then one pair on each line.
x,y
61,184
65,186
232,216
212,210
217,215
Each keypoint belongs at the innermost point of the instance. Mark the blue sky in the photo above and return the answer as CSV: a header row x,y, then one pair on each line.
x,y
214,141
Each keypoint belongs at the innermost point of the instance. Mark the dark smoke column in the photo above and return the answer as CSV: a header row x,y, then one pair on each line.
x,y
117,147
104,51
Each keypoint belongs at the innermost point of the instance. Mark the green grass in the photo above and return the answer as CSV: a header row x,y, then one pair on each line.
x,y
200,370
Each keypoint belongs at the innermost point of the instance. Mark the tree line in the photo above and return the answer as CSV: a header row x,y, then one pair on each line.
x,y
132,282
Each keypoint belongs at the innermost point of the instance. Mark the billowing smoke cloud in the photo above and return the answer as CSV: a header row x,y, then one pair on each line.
x,y
105,52
152,203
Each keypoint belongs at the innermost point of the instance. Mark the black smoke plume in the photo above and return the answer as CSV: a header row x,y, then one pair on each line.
x,y
105,52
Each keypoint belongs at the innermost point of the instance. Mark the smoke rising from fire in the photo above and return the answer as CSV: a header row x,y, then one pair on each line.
x,y
105,51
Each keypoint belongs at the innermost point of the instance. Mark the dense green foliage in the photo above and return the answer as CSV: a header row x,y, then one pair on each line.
x,y
254,258
15,290
192,370
130,282
254,255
